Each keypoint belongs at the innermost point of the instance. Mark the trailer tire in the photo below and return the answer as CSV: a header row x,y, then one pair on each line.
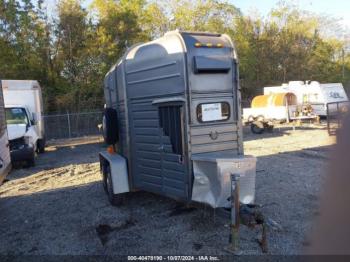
x,y
110,126
257,127
31,161
114,199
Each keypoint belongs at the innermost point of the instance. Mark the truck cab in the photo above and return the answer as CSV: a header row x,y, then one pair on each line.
x,y
22,134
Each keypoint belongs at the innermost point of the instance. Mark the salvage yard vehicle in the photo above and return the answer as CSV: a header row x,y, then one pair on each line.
x,y
313,93
5,161
268,110
24,118
173,121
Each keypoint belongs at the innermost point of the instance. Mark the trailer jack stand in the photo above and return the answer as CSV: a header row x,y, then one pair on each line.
x,y
263,241
249,215
233,246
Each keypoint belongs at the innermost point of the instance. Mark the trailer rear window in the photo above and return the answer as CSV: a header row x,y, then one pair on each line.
x,y
213,112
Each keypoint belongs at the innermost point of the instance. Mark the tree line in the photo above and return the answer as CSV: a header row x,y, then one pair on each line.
x,y
71,49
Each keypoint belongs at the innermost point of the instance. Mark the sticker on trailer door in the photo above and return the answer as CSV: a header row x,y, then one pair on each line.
x,y
211,112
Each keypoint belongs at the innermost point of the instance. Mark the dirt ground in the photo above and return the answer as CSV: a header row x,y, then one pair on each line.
x,y
59,206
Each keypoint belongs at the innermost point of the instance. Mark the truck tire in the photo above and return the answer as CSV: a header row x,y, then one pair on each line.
x,y
257,127
41,146
114,199
110,126
31,161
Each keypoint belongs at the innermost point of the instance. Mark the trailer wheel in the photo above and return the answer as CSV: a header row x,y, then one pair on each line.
x,y
257,127
114,199
110,126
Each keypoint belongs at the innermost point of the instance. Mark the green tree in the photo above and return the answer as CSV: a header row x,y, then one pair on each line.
x,y
71,52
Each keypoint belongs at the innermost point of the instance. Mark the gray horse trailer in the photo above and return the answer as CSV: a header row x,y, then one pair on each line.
x,y
173,121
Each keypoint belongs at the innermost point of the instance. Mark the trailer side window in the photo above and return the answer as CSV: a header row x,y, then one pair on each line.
x,y
213,112
170,121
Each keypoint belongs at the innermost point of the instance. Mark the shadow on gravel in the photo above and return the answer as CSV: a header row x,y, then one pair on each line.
x,y
60,156
71,154
79,220
277,132
289,186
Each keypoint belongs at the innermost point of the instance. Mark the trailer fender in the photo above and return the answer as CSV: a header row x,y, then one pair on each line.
x,y
119,171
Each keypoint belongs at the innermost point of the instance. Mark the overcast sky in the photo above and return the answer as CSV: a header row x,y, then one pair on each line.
x,y
335,8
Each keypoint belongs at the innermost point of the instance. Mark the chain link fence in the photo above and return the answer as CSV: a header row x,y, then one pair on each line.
x,y
336,113
71,125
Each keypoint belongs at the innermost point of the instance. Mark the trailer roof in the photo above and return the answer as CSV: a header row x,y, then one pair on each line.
x,y
177,41
278,99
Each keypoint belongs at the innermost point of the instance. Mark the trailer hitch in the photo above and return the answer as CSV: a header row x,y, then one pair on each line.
x,y
249,215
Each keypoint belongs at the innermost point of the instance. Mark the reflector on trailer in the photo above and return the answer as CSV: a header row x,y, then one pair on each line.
x,y
111,150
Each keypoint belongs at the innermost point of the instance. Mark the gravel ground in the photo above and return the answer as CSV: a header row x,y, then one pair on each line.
x,y
59,206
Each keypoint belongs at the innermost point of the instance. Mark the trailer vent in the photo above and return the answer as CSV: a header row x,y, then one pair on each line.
x,y
170,121
211,65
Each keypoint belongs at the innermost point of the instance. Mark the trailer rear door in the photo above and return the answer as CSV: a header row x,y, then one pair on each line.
x,y
158,149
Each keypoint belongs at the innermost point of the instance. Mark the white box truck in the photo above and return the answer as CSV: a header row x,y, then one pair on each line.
x,y
316,94
24,118
5,161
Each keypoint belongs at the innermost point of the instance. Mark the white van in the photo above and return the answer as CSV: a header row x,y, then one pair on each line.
x,y
5,161
24,118
314,93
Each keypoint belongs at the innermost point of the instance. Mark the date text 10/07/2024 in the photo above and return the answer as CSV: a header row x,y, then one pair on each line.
x,y
173,258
